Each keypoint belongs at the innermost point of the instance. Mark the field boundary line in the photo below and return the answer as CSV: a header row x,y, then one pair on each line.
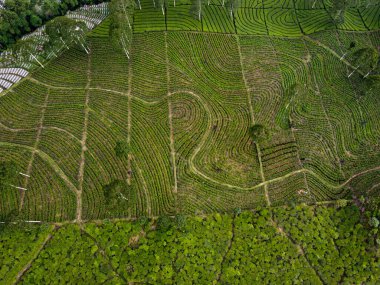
x,y
172,143
35,146
146,192
333,132
361,18
373,187
45,157
15,130
172,147
258,150
82,162
297,19
53,86
320,44
276,53
129,122
132,219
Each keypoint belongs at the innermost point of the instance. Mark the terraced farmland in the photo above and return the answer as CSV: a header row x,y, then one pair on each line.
x,y
169,131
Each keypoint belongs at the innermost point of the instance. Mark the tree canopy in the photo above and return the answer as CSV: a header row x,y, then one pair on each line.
x,y
259,133
20,17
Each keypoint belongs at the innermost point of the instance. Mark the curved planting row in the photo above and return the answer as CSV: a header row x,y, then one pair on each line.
x,y
114,74
280,159
282,22
263,77
180,138
65,110
354,22
64,149
314,21
288,18
150,150
317,105
149,83
309,5
226,152
292,190
21,137
217,19
179,18
48,197
252,4
309,118
371,17
69,70
149,19
352,119
285,4
367,185
196,194
13,160
315,138
106,172
250,22
21,108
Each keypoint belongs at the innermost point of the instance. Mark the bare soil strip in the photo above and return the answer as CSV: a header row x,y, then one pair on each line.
x,y
253,121
83,143
30,165
172,148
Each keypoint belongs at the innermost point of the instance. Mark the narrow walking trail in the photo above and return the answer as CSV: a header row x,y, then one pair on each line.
x,y
83,143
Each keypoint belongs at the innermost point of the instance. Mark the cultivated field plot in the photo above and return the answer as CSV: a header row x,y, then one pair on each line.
x,y
97,136
288,18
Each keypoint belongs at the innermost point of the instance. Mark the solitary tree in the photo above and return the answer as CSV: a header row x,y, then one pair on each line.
x,y
115,192
259,133
121,149
164,223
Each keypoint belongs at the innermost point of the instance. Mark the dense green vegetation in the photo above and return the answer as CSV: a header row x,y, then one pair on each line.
x,y
19,244
18,17
206,142
285,245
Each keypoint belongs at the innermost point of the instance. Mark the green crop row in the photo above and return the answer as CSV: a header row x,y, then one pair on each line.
x,y
277,18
